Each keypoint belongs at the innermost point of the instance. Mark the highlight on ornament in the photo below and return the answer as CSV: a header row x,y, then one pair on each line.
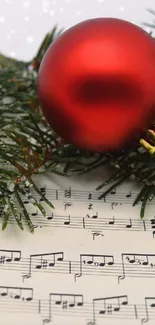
x,y
86,100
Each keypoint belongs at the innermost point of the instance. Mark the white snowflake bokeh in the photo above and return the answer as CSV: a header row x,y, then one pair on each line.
x,y
24,23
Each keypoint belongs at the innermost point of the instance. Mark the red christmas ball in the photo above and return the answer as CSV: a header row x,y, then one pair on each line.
x,y
96,83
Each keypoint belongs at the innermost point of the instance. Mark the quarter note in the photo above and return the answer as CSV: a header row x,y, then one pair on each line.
x,y
66,223
26,202
34,213
129,225
50,217
111,222
129,194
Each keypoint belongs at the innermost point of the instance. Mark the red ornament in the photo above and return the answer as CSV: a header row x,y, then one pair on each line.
x,y
96,83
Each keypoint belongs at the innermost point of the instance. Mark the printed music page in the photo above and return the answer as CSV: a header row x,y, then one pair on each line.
x,y
90,261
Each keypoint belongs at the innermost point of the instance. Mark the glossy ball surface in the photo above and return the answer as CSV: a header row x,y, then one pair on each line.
x,y
96,83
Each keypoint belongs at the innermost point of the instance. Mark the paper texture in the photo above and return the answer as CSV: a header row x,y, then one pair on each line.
x,y
89,261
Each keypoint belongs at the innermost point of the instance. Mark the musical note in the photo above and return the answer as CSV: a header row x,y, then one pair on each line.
x,y
64,301
50,217
108,306
17,292
94,216
146,263
26,202
34,213
9,256
99,261
112,222
89,196
149,308
129,225
67,300
66,223
43,264
43,261
129,194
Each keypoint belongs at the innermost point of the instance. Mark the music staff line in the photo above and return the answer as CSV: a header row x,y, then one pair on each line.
x,y
95,222
22,299
132,265
74,195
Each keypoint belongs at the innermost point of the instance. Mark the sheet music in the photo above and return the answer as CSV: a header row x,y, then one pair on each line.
x,y
90,261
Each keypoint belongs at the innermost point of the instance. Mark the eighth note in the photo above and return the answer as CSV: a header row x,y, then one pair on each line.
x,y
67,300
10,256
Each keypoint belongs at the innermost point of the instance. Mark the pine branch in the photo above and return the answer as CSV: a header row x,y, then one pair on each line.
x,y
28,146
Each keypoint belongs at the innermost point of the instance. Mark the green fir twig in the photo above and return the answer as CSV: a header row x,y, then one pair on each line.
x,y
28,146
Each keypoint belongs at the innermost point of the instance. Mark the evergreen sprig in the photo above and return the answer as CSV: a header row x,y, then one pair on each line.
x,y
28,146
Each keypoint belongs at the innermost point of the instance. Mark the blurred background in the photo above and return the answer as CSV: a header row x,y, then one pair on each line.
x,y
24,23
